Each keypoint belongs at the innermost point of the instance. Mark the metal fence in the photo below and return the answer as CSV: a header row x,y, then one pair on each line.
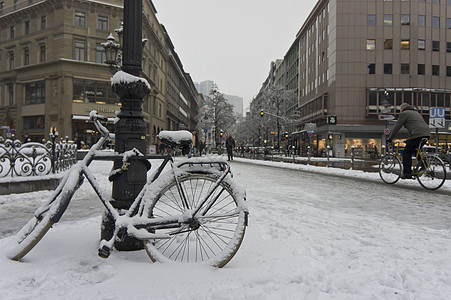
x,y
35,159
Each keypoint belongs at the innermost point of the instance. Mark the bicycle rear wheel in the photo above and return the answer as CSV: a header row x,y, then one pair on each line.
x,y
390,168
212,238
434,176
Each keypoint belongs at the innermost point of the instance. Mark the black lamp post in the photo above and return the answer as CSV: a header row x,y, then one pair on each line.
x,y
130,130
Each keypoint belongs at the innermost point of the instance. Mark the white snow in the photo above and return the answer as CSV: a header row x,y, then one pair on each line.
x,y
310,236
124,77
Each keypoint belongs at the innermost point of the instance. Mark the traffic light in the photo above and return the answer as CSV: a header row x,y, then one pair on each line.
x,y
261,114
330,137
221,133
332,120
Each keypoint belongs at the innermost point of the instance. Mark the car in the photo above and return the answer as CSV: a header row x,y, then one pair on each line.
x,y
442,154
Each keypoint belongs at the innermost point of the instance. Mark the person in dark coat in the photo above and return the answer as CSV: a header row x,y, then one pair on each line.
x,y
417,129
230,144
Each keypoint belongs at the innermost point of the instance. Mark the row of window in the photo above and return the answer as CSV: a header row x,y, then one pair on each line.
x,y
405,69
448,2
79,54
80,20
405,20
422,100
405,45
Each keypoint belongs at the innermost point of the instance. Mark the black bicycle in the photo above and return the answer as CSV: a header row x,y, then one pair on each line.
x,y
193,213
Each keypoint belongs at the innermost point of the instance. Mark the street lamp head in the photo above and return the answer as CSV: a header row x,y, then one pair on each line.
x,y
111,50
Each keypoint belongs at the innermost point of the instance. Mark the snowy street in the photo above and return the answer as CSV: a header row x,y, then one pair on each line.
x,y
314,233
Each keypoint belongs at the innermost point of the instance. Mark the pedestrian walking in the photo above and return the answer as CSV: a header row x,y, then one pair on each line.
x,y
230,144
193,151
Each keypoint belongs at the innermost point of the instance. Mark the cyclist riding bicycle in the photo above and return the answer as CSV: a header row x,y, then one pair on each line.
x,y
417,129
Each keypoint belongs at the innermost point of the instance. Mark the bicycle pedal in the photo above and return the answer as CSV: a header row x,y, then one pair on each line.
x,y
104,252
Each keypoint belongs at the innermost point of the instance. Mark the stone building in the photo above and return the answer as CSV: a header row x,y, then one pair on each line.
x,y
52,71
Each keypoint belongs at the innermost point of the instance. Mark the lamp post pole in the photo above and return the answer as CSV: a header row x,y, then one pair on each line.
x,y
130,129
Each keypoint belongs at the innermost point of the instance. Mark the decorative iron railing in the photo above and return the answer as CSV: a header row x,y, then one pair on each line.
x,y
35,159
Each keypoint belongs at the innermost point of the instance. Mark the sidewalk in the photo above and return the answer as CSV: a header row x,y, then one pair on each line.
x,y
367,164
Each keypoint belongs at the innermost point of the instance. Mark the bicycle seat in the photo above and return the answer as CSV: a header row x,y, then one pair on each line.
x,y
180,138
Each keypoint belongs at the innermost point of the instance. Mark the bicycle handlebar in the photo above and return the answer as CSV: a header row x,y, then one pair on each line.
x,y
97,119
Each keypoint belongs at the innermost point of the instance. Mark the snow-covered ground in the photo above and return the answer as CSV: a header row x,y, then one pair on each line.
x,y
311,236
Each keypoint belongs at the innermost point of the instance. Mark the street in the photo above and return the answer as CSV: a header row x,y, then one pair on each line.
x,y
310,236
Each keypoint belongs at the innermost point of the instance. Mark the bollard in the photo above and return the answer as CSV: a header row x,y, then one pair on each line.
x,y
383,150
294,153
308,155
327,153
352,157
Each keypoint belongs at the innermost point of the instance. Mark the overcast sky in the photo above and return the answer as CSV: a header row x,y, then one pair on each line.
x,y
232,42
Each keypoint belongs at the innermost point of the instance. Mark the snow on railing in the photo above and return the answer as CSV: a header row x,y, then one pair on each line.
x,y
35,159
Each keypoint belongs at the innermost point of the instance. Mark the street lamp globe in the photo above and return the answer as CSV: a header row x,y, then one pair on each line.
x,y
111,50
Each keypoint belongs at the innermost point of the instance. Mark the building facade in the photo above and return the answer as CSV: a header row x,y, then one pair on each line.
x,y
352,52
52,70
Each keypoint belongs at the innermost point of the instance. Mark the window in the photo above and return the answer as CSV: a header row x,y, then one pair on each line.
x,y
371,69
79,53
421,45
93,92
43,22
34,122
448,23
42,53
448,47
388,44
80,18
421,69
435,70
26,56
405,19
2,7
405,68
448,71
370,44
421,20
12,32
27,27
436,1
388,20
15,4
448,2
405,44
100,54
11,94
436,46
102,22
388,69
436,22
371,20
35,93
11,60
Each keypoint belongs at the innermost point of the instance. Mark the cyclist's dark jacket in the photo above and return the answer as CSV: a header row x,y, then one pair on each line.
x,y
414,123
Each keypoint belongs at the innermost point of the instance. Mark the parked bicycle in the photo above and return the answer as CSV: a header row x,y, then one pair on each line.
x,y
427,167
194,212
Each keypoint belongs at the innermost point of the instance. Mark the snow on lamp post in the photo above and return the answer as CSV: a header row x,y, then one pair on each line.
x,y
130,129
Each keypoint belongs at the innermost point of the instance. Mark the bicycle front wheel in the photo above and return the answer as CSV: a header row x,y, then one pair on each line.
x,y
210,238
390,168
434,175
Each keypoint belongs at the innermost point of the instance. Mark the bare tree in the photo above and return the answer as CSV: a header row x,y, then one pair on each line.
x,y
219,112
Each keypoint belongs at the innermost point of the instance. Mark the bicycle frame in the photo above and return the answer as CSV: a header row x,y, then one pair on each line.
x,y
131,221
419,158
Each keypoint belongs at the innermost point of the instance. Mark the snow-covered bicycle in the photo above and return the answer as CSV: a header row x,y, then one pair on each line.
x,y
194,212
